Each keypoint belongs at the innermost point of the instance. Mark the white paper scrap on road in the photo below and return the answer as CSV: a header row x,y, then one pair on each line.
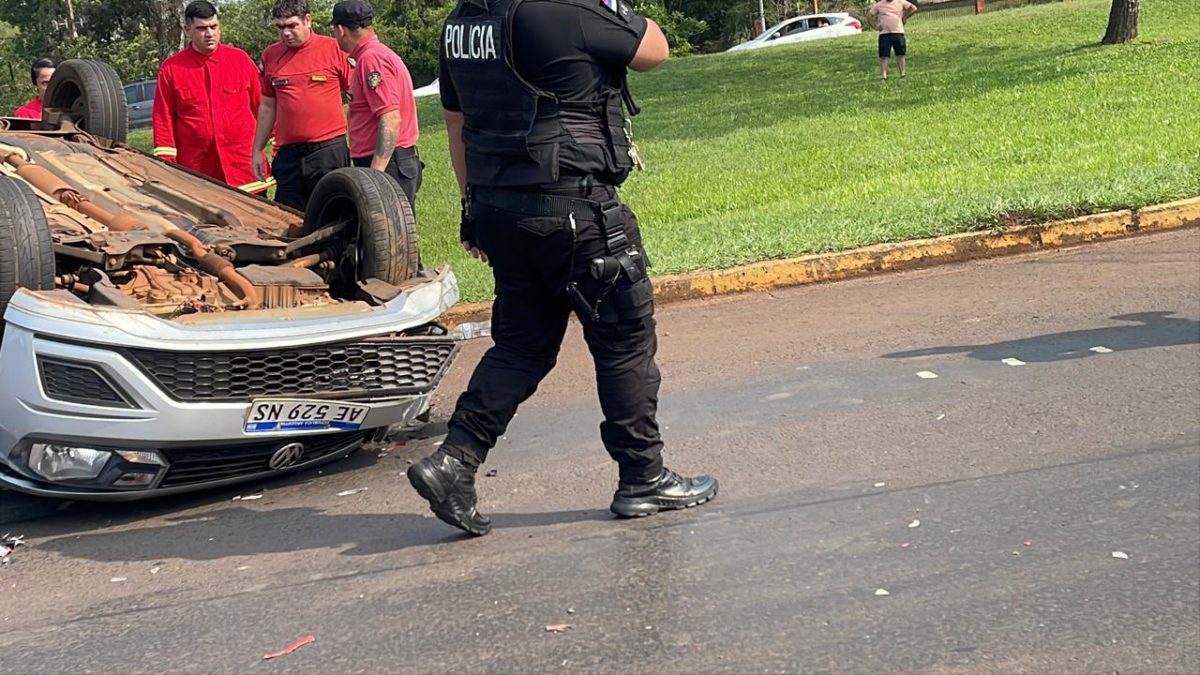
x,y
1102,350
117,580
347,493
247,498
914,524
881,592
927,375
881,485
1013,362
1120,555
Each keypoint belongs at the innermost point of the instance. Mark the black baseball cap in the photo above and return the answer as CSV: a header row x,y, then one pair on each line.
x,y
352,14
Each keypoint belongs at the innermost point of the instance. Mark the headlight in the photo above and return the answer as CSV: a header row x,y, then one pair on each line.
x,y
63,462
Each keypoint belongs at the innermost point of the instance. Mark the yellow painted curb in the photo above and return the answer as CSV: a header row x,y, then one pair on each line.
x,y
900,256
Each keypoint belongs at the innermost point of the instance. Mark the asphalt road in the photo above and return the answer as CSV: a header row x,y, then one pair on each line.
x,y
987,502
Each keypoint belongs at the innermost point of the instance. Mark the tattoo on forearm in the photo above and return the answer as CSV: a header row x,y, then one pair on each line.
x,y
385,139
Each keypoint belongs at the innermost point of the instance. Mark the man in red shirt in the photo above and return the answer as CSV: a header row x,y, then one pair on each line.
x,y
304,75
205,103
383,112
40,73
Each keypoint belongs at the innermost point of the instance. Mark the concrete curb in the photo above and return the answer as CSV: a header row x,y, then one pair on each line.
x,y
908,255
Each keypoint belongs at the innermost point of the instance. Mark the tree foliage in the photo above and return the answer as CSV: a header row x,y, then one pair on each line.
x,y
136,35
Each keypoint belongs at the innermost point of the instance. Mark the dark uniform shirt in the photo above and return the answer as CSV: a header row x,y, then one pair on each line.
x,y
570,48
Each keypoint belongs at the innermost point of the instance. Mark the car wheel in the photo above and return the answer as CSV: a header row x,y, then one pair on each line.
x,y
26,250
89,94
381,220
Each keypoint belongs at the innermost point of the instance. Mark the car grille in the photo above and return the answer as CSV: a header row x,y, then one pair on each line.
x,y
200,465
365,369
79,383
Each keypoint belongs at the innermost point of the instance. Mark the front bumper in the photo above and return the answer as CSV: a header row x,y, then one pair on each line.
x,y
74,374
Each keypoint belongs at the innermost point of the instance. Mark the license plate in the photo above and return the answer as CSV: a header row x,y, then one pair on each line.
x,y
281,415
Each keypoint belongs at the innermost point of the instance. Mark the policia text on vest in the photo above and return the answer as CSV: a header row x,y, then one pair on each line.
x,y
472,41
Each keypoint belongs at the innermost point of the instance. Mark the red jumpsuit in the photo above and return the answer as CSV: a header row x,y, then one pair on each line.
x,y
31,110
205,110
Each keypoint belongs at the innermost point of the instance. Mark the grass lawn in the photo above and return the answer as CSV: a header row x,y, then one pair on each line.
x,y
775,153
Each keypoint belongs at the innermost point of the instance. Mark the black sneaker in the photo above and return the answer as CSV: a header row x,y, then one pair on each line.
x,y
449,485
671,491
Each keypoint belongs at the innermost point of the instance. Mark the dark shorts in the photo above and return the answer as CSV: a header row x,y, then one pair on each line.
x,y
892,42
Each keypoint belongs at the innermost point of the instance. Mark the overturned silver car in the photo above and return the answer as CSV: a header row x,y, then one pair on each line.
x,y
161,332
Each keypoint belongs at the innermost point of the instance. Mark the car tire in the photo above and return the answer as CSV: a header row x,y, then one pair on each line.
x,y
89,94
387,229
26,249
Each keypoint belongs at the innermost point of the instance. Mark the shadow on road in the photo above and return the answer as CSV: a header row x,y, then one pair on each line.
x,y
1149,330
240,531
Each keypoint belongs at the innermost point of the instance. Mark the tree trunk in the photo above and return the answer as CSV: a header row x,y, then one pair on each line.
x,y
1122,22
72,27
167,16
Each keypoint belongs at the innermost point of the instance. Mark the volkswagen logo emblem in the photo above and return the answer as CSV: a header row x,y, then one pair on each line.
x,y
287,456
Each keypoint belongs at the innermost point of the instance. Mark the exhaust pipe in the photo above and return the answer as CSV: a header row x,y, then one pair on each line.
x,y
41,178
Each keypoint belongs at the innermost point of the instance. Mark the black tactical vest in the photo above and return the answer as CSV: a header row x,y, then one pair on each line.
x,y
513,130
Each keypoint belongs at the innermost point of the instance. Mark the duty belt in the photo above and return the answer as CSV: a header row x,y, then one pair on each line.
x,y
607,213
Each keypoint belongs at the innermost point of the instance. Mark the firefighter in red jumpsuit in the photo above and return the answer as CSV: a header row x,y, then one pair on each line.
x,y
206,104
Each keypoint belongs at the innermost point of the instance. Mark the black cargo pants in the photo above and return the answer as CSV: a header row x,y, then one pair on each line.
x,y
533,255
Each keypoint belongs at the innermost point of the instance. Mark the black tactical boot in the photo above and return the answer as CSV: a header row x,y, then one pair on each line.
x,y
449,485
671,491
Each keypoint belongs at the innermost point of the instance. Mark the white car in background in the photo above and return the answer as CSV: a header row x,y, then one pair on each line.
x,y
803,29
430,89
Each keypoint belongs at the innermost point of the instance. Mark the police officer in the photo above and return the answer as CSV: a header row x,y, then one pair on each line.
x,y
534,93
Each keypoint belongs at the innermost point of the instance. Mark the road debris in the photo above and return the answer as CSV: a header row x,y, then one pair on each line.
x,y
491,474
905,545
155,569
306,640
941,417
881,592
1120,555
1028,544
559,628
927,375
8,544
1012,362
1101,350
914,524
247,498
355,491
570,610
880,485
117,580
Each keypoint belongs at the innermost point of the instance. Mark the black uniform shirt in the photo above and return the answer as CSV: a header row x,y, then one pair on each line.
x,y
571,48
567,47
